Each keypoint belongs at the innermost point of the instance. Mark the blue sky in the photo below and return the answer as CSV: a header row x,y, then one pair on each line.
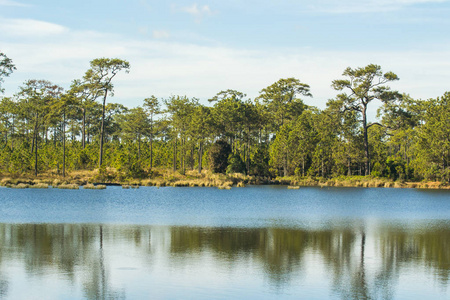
x,y
198,48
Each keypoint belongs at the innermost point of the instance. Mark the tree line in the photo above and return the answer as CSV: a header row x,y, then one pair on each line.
x,y
43,127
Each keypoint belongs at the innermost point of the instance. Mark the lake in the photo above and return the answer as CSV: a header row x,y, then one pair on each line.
x,y
258,242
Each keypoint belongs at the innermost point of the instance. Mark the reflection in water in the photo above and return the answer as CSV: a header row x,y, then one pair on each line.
x,y
118,262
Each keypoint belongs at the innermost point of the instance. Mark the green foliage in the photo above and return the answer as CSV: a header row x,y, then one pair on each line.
x,y
260,162
281,100
363,86
6,68
377,170
235,164
218,156
43,128
395,169
104,175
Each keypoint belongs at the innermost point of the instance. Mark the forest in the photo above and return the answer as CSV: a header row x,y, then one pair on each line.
x,y
46,128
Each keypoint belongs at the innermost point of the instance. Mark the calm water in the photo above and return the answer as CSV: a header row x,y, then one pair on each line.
x,y
205,243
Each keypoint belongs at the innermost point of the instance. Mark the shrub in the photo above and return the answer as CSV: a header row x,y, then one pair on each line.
x,y
235,164
218,156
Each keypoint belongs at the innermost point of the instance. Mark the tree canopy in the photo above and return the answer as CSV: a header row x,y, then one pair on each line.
x,y
44,128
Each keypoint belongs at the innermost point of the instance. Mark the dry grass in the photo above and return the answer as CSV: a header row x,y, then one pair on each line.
x,y
39,186
69,186
293,187
240,184
6,181
19,186
56,182
161,177
90,186
224,187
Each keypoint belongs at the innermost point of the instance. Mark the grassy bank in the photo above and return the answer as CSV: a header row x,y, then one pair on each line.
x,y
97,179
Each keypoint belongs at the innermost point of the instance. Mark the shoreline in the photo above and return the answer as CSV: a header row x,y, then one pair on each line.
x,y
163,178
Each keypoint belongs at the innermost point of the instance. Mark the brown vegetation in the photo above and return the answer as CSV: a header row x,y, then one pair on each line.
x,y
97,179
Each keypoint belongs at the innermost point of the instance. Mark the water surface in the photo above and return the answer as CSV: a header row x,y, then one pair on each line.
x,y
205,243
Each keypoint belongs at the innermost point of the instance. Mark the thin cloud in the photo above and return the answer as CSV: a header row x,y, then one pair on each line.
x,y
30,28
160,34
355,6
12,3
195,10
166,67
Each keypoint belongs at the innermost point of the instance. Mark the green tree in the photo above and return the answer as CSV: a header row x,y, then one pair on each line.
x,y
235,164
218,156
364,85
401,120
281,100
37,97
433,155
280,151
6,68
200,129
100,76
326,124
134,125
303,138
59,108
180,110
86,93
7,114
153,108
227,115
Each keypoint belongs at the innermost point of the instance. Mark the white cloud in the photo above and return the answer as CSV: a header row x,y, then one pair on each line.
x,y
195,10
11,3
160,34
164,68
355,6
30,28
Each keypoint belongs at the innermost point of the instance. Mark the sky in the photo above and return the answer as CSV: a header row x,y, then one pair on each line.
x,y
199,48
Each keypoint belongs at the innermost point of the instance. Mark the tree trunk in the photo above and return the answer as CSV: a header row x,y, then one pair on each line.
x,y
200,156
247,164
175,155
88,133
102,130
192,158
64,145
12,134
366,143
36,157
83,131
72,134
151,150
36,134
285,164
139,148
183,156
32,142
349,172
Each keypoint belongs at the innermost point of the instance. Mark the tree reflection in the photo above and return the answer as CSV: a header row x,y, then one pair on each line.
x,y
356,268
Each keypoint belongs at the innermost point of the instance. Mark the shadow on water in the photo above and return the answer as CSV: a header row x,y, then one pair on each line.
x,y
356,264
